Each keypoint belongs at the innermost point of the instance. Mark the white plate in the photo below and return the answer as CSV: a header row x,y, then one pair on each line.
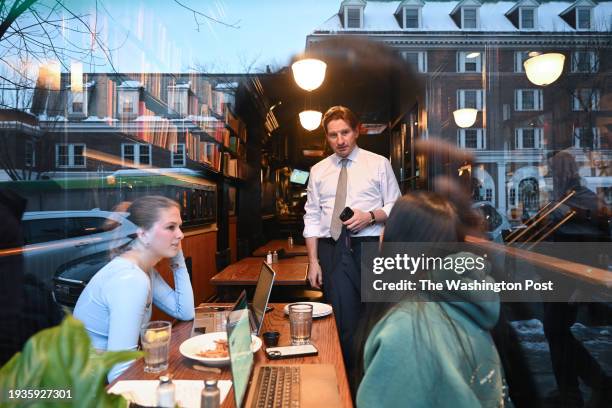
x,y
190,347
318,309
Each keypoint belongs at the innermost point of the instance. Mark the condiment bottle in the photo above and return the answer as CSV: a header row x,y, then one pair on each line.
x,y
211,396
165,392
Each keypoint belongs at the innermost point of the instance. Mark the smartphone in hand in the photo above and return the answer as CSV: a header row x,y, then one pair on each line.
x,y
346,214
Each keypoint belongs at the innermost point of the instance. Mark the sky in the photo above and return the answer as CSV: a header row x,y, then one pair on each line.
x,y
163,36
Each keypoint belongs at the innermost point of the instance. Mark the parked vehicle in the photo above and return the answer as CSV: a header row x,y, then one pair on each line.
x,y
56,238
71,278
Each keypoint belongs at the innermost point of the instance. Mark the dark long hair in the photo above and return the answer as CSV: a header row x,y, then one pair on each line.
x,y
423,217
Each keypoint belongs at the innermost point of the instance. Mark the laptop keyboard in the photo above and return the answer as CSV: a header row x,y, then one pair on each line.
x,y
278,386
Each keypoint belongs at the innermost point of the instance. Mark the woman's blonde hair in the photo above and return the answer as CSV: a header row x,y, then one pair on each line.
x,y
144,211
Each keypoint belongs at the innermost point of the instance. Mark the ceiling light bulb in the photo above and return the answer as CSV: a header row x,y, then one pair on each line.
x,y
310,119
465,117
309,73
544,69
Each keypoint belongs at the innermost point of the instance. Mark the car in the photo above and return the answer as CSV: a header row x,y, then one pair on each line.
x,y
495,222
56,238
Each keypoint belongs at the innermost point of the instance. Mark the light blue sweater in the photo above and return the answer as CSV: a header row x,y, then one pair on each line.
x,y
413,357
117,302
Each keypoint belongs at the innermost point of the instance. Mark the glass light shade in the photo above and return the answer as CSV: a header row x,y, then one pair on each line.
x,y
310,119
465,117
76,77
544,69
309,73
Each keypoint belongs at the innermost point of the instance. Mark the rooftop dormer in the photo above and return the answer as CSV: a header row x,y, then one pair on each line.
x,y
466,14
409,14
351,13
579,15
524,15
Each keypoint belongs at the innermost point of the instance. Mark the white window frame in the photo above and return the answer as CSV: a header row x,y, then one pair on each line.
x,y
461,61
180,95
419,17
578,96
137,154
421,59
461,98
29,157
590,10
535,18
519,58
538,99
71,100
481,139
71,156
477,11
128,95
596,138
538,138
593,61
176,155
346,19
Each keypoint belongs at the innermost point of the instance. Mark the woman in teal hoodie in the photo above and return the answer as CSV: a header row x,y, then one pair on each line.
x,y
428,351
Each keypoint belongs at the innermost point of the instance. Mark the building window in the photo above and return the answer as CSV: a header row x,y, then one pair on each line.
x,y
527,18
469,61
29,154
585,100
529,194
137,154
471,139
412,17
178,100
469,17
587,138
583,18
77,103
585,61
352,17
528,138
128,102
470,98
68,155
528,100
418,59
178,155
519,58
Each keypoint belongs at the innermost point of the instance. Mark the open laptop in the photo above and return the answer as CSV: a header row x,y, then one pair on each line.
x,y
208,320
274,385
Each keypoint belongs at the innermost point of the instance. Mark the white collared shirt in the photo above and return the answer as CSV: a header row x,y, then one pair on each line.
x,y
371,184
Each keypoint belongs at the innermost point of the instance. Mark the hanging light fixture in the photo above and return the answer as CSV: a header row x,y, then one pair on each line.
x,y
76,77
544,69
465,117
310,119
309,73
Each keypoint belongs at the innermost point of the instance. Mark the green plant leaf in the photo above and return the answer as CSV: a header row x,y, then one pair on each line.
x,y
61,358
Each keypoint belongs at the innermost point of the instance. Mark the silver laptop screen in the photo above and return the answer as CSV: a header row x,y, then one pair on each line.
x,y
262,294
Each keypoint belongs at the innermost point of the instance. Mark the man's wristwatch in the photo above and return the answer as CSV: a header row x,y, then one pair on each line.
x,y
373,220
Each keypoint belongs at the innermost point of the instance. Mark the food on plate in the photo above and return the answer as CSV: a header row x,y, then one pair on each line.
x,y
220,350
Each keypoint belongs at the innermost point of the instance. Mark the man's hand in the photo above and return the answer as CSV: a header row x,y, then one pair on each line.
x,y
358,221
315,275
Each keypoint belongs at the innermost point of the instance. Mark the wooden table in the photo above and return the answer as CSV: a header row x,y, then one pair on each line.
x,y
277,244
289,271
324,336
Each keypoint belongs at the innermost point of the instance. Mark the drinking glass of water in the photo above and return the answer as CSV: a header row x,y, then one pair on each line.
x,y
300,321
155,339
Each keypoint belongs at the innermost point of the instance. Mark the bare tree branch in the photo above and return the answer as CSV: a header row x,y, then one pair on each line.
x,y
206,16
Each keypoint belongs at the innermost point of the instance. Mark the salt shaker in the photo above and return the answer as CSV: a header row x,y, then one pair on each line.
x,y
165,392
275,257
269,258
290,241
211,396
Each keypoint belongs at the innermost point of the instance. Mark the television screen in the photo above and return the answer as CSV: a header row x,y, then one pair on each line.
x,y
299,176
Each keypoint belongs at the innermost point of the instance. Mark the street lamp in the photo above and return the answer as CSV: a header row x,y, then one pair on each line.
x,y
465,117
310,119
544,69
309,73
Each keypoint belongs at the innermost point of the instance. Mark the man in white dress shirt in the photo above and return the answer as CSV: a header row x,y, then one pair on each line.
x,y
355,178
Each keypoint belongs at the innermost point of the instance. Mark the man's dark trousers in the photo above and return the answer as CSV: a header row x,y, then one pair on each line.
x,y
341,266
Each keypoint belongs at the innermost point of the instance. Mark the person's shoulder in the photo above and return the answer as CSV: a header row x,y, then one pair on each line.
x,y
121,272
321,165
372,157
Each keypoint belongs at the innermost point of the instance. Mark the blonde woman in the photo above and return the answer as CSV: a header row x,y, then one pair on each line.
x,y
117,301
